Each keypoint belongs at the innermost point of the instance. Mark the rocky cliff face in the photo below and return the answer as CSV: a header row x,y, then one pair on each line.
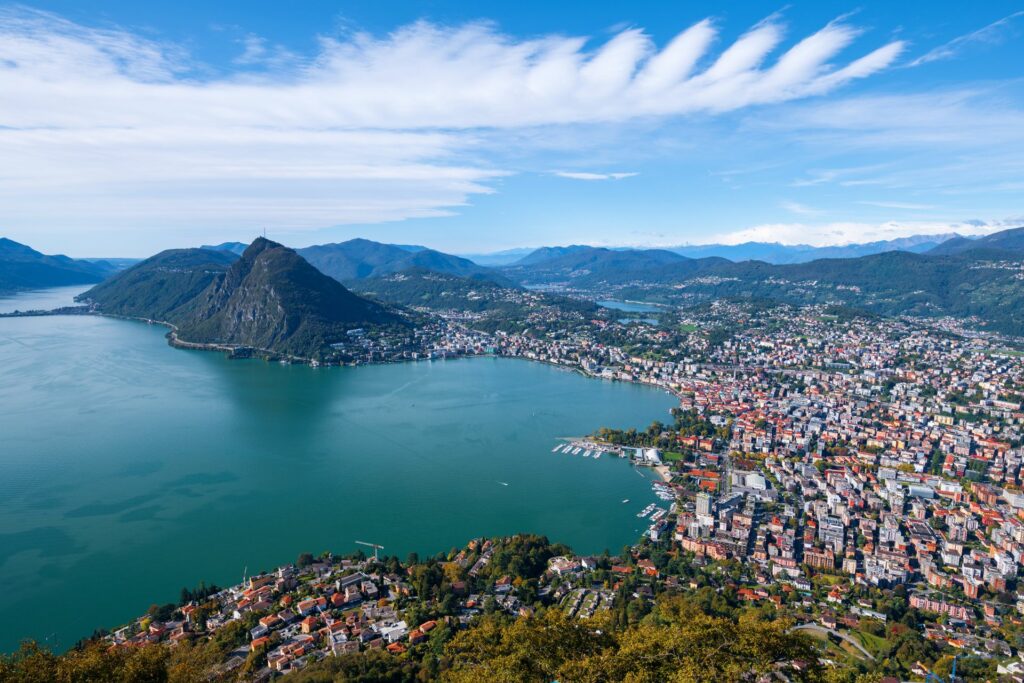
x,y
271,298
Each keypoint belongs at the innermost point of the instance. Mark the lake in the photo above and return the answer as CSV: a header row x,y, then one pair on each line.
x,y
129,469
41,300
630,306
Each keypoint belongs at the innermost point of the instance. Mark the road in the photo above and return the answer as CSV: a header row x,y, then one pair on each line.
x,y
843,636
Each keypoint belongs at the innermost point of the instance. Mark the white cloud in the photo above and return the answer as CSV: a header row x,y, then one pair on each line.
x,y
839,233
992,34
257,53
802,209
582,175
106,128
899,205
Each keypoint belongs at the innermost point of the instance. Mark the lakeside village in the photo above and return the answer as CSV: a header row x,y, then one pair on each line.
x,y
860,476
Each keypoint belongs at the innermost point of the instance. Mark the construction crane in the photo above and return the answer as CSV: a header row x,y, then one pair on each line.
x,y
952,675
371,545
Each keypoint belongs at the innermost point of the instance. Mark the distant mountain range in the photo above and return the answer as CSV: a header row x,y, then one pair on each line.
x,y
962,277
23,268
498,258
269,298
258,295
359,258
583,267
773,252
770,252
1004,240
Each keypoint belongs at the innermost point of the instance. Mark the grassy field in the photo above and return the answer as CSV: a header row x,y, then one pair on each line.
x,y
876,645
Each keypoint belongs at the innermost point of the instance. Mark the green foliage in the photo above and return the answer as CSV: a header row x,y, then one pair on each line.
x,y
677,643
162,286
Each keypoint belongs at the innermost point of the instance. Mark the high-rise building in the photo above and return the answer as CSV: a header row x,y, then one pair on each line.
x,y
705,502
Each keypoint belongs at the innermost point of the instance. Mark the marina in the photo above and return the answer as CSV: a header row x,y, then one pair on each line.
x,y
647,510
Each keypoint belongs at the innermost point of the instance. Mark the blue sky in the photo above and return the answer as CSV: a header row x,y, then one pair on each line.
x,y
130,127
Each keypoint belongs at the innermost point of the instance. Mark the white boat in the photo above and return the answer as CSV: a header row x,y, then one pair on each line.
x,y
556,448
586,454
577,451
625,500
597,455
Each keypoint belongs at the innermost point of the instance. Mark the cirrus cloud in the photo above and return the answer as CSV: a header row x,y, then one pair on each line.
x,y
105,127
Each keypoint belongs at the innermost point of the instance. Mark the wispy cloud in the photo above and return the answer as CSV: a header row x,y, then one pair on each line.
x,y
257,52
899,205
582,175
105,127
802,209
992,34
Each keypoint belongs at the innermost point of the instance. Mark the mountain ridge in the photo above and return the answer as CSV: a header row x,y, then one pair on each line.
x,y
269,298
24,268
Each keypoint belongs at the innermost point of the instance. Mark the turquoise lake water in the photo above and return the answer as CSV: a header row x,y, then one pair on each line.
x,y
129,469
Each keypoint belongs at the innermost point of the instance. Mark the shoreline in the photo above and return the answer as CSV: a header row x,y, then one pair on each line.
x,y
241,352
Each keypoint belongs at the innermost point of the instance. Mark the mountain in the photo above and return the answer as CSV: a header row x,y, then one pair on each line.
x,y
422,288
973,283
538,256
269,298
1005,240
237,248
498,258
360,258
583,267
163,286
22,267
112,265
272,298
491,307
774,252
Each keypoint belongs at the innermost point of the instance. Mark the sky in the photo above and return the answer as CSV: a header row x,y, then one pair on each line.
x,y
129,127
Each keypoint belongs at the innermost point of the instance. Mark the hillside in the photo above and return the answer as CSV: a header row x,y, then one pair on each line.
x,y
590,267
359,258
272,299
269,298
981,283
22,267
1005,240
976,278
162,286
237,248
489,306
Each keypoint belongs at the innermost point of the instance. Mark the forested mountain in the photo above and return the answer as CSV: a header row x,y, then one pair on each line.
x,y
270,298
491,306
1004,240
979,277
162,286
359,258
22,267
586,267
